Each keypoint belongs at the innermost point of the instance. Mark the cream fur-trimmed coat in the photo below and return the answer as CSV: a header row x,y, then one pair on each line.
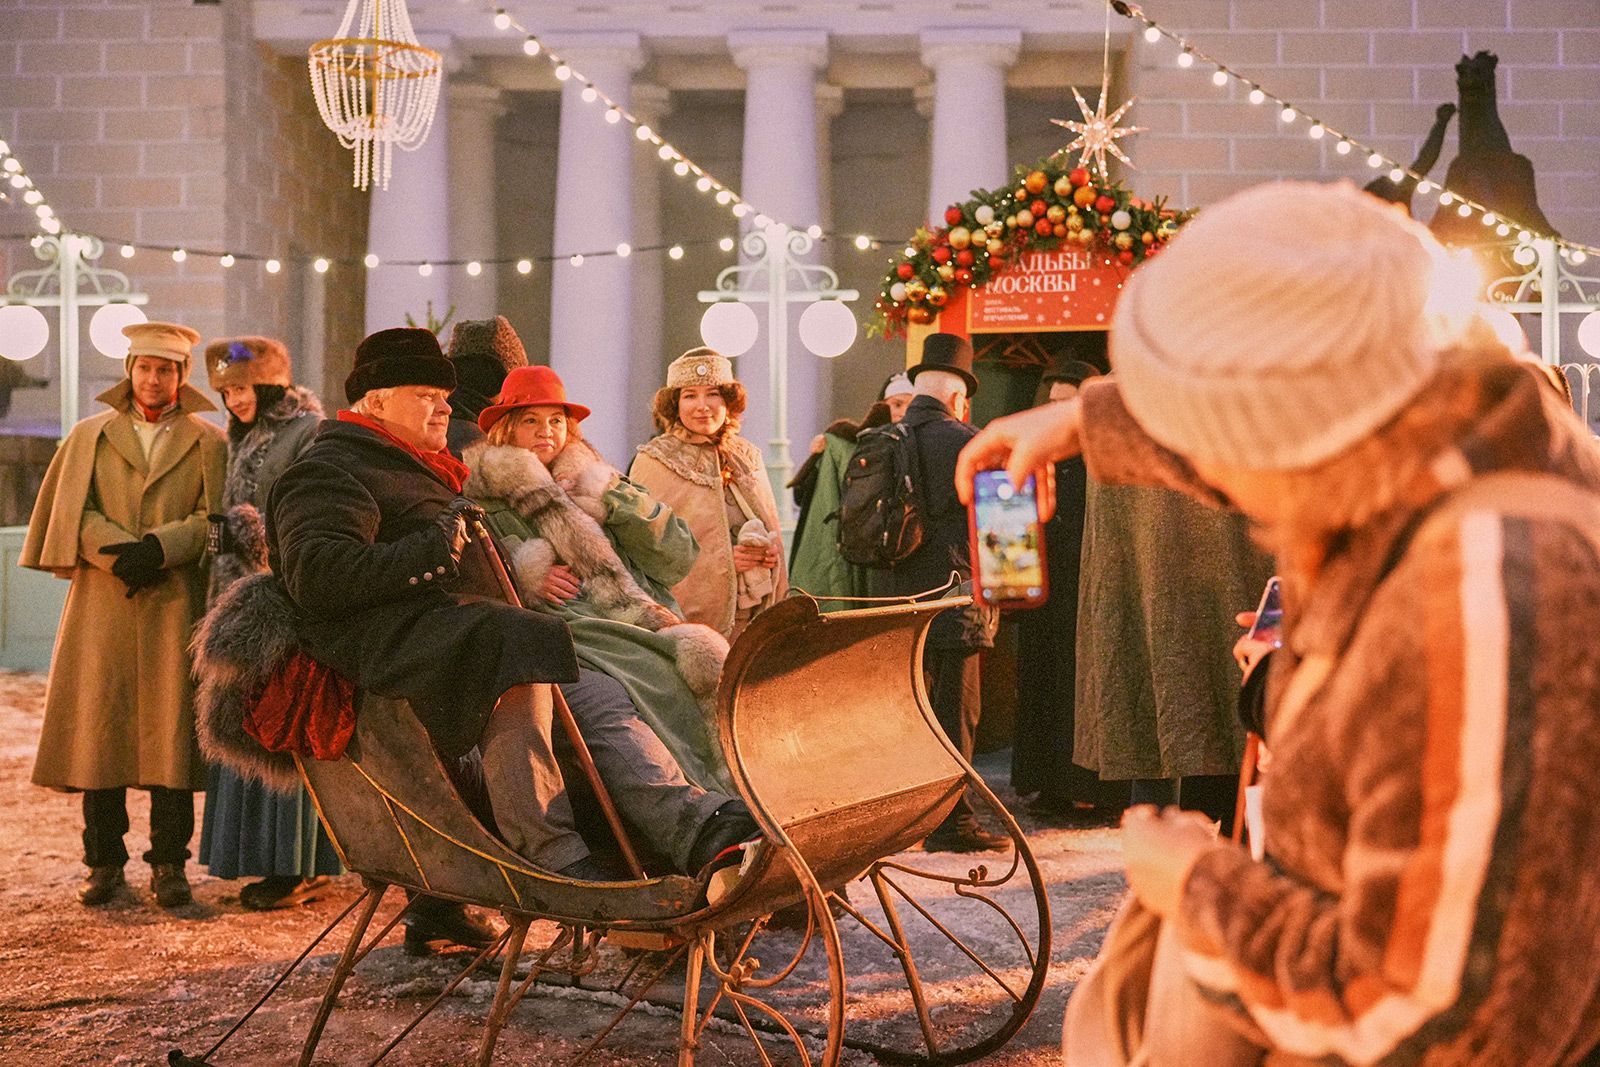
x,y
578,513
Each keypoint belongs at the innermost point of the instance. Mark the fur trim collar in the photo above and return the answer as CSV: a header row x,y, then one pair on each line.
x,y
699,463
515,475
240,643
297,400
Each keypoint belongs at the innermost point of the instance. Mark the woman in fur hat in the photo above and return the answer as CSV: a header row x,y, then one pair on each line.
x,y
589,545
716,481
249,830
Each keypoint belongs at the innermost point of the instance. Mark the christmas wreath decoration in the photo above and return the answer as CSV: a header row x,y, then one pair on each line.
x,y
1046,208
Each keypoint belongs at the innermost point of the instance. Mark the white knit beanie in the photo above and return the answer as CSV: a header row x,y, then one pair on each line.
x,y
1285,324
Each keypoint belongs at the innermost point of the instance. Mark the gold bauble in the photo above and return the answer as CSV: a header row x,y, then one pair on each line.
x,y
916,291
937,295
1074,222
1063,186
1123,240
1025,219
1056,213
947,271
960,238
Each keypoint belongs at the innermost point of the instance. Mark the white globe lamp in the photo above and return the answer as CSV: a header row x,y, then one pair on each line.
x,y
1507,328
729,327
827,328
24,331
105,328
1589,334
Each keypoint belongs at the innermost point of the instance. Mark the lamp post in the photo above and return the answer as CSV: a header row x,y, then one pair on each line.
x,y
70,281
777,276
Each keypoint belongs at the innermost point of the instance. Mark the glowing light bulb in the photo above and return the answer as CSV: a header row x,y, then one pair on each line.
x,y
1316,131
680,168
1257,96
590,94
1374,161
1343,148
474,269
179,255
524,266
1287,114
563,72
1185,59
370,259
1219,78
613,116
726,244
530,46
675,252
624,250
227,260
273,266
643,132
703,184
1152,34
1397,175
863,242
425,269
320,265
127,251
576,261
502,21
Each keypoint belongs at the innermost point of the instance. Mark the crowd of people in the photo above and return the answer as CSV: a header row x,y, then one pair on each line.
x,y
1318,401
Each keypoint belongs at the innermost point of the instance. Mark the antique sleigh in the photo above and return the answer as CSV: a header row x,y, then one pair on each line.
x,y
827,729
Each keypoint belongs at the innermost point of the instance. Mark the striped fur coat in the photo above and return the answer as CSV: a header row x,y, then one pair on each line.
x,y
1431,890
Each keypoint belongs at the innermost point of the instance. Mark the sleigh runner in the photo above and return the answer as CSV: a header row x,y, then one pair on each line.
x,y
830,740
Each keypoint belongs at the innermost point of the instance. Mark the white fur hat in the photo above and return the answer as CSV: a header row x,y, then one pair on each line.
x,y
1284,324
700,366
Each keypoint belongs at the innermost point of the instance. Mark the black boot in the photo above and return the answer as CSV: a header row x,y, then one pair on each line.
x,y
100,886
729,826
432,919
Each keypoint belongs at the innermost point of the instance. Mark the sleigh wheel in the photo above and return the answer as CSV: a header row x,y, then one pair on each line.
x,y
963,995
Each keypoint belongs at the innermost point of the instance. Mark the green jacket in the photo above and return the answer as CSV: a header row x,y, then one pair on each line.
x,y
818,568
655,547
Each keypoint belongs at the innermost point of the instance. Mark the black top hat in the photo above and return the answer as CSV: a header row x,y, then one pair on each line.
x,y
401,356
950,353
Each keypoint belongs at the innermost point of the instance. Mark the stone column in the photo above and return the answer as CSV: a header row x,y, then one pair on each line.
x,y
474,109
651,104
410,220
969,111
781,177
592,306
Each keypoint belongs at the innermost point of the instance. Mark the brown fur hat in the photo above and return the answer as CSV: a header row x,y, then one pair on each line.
x,y
247,361
491,339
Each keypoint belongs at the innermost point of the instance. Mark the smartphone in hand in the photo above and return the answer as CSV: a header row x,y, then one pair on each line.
x,y
1008,566
1268,626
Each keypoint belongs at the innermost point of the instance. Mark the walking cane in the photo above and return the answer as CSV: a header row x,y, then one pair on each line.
x,y
563,713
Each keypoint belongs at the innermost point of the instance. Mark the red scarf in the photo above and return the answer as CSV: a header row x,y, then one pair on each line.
x,y
447,468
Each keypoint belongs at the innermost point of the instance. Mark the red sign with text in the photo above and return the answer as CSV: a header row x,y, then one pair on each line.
x,y
1043,292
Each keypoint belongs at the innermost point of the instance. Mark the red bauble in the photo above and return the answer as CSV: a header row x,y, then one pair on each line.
x,y
952,216
1125,256
1039,208
996,262
905,271
1078,176
964,258
964,276
1105,204
941,254
1044,227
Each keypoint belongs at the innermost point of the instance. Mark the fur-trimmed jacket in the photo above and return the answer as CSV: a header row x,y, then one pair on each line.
x,y
1430,892
696,479
619,543
273,441
626,549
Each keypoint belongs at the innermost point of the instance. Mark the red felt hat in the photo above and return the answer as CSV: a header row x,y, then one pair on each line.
x,y
528,387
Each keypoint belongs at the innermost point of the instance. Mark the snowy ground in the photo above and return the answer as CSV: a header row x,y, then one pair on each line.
x,y
125,983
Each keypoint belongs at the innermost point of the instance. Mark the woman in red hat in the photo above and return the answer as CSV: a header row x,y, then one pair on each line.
x,y
587,544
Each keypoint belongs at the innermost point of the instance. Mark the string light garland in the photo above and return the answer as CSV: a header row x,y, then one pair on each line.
x,y
683,166
1191,58
18,186
475,266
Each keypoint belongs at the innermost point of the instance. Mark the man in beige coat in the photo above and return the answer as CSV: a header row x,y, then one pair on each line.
x,y
122,514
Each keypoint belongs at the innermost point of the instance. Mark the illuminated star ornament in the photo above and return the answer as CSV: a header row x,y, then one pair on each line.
x,y
1098,132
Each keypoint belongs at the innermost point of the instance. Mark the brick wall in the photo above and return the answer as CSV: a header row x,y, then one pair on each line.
x,y
1376,69
164,122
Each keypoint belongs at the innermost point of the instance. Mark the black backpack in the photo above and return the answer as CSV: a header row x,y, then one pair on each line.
x,y
880,515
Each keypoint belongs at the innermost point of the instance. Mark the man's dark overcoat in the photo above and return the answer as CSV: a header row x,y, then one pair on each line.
x,y
946,542
353,538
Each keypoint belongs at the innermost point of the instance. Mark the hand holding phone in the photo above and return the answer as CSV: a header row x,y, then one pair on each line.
x,y
1008,564
1268,624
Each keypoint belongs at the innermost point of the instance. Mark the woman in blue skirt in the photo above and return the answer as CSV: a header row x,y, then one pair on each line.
x,y
249,830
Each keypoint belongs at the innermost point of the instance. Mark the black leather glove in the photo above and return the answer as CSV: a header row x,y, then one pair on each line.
x,y
138,563
455,521
219,537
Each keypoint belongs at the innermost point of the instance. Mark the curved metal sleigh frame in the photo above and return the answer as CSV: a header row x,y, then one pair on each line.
x,y
826,726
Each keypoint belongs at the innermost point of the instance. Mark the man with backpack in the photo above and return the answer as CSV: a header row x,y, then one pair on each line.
x,y
900,515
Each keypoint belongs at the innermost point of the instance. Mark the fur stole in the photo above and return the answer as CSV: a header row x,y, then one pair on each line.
x,y
240,643
566,530
568,526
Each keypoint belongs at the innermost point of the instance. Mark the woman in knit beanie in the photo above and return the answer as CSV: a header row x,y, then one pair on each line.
x,y
250,831
1310,356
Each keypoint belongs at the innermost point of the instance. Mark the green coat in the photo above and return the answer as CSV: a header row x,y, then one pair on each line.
x,y
818,568
656,547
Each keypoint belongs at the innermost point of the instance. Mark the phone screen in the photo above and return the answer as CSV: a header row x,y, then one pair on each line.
x,y
1269,615
1008,540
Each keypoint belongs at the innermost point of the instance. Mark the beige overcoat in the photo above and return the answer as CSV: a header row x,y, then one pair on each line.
x,y
686,476
119,709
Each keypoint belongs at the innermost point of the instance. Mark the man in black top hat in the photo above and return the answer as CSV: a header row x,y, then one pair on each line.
x,y
943,385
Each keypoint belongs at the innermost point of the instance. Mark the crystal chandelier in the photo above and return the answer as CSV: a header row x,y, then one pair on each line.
x,y
376,86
